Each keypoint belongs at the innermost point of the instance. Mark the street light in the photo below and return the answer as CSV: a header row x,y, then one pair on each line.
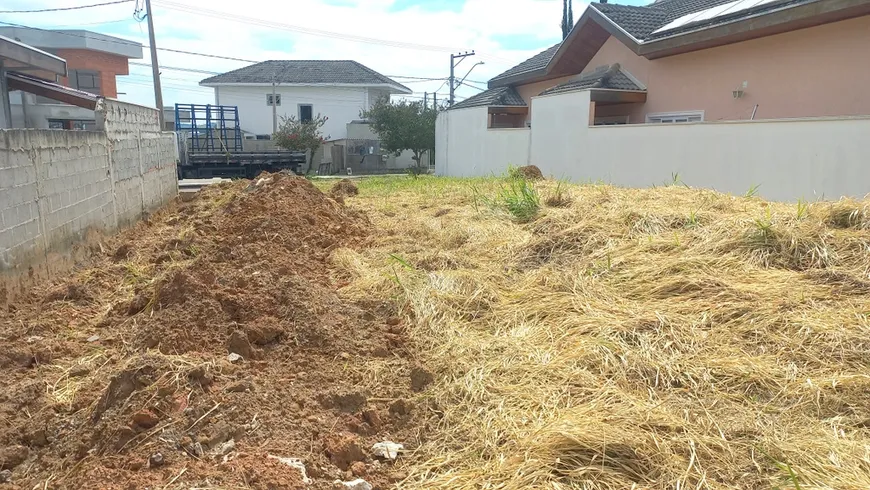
x,y
469,71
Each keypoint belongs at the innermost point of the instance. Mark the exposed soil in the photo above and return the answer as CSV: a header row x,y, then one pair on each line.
x,y
530,172
344,188
199,342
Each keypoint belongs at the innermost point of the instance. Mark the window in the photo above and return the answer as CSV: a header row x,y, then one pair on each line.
x,y
86,80
611,120
269,101
72,124
306,112
675,117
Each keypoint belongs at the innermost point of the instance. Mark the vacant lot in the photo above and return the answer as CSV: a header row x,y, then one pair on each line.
x,y
510,334
659,338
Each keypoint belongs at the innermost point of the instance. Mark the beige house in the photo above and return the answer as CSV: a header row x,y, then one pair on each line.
x,y
730,95
699,60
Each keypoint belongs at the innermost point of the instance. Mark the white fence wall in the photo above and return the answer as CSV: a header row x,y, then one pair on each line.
x,y
786,159
466,148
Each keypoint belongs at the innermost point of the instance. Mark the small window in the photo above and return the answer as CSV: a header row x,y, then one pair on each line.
x,y
676,117
306,112
611,120
86,80
270,102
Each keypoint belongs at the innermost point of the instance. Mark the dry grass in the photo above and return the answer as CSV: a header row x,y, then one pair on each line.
x,y
667,338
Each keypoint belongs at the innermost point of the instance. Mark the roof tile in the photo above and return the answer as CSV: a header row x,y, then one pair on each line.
x,y
499,96
608,77
536,62
305,71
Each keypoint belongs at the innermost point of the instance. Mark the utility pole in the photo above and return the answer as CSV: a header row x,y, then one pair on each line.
x,y
453,65
425,99
274,108
435,100
155,68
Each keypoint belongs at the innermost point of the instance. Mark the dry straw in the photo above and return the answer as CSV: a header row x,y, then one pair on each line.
x,y
665,338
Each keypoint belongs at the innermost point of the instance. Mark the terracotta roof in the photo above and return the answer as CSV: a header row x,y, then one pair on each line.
x,y
608,77
499,96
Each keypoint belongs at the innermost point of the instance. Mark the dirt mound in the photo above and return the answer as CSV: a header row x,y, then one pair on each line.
x,y
344,188
197,339
530,172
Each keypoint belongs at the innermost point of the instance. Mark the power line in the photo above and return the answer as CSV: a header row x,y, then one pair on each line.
x,y
192,53
305,30
176,68
472,86
59,9
102,22
298,29
132,43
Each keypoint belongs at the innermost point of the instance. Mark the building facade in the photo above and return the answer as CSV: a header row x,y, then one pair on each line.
x,y
94,61
267,92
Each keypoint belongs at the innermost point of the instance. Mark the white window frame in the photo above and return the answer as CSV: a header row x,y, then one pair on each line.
x,y
269,99
673,117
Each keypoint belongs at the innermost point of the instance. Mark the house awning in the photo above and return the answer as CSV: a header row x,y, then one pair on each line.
x,y
18,56
54,91
609,84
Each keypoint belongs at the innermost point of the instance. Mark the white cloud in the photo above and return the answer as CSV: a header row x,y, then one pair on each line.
x,y
476,26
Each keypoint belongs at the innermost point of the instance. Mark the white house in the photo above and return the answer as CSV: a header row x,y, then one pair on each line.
x,y
338,90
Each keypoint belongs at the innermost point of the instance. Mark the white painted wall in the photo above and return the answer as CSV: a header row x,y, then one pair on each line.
x,y
464,147
340,104
787,159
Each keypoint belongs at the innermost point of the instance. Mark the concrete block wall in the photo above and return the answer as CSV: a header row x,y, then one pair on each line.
x,y
56,185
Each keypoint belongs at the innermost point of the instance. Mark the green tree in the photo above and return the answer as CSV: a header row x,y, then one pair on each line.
x,y
295,135
403,126
567,17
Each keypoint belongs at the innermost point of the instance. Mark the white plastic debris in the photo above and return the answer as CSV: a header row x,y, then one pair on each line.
x,y
93,338
233,357
358,484
297,464
387,450
227,447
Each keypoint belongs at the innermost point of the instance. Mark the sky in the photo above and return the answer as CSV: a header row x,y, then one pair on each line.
x,y
398,38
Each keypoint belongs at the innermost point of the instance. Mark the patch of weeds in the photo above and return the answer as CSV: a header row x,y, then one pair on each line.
x,y
803,209
786,468
513,172
519,198
763,234
558,197
692,220
786,247
752,191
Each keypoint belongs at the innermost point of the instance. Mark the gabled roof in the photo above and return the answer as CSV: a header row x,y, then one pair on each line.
x,y
611,77
652,21
669,27
536,62
306,72
497,97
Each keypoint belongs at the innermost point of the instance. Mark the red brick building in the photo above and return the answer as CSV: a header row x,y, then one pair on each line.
x,y
93,62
